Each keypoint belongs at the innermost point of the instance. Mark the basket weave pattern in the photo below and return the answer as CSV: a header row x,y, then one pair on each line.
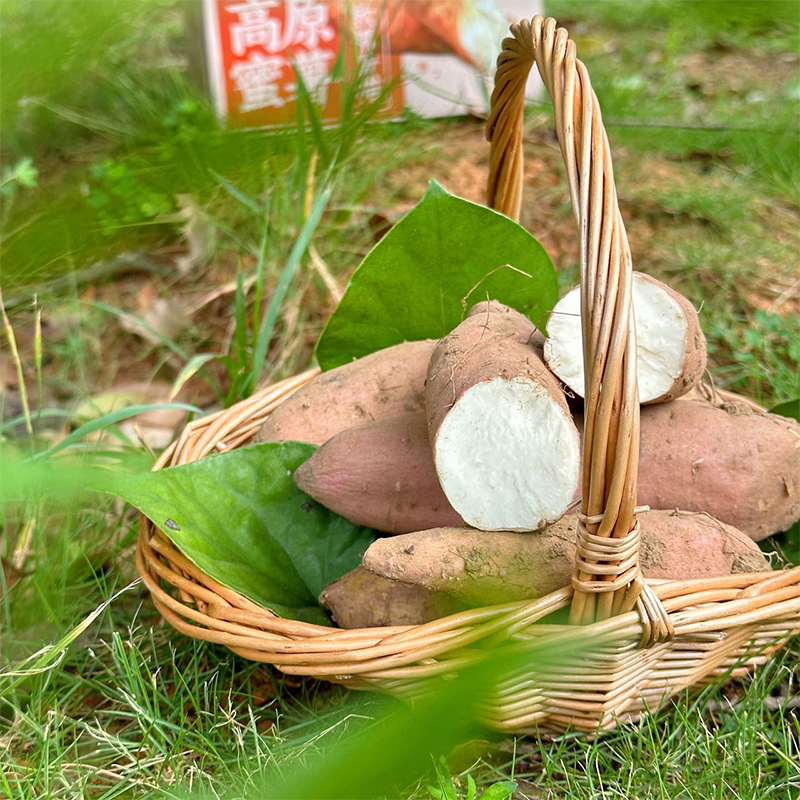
x,y
653,638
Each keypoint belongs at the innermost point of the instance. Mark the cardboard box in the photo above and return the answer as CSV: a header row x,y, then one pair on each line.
x,y
437,55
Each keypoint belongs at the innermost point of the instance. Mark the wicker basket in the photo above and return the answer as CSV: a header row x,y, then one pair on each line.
x,y
656,637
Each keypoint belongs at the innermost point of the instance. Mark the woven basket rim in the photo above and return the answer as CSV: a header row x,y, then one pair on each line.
x,y
158,560
232,619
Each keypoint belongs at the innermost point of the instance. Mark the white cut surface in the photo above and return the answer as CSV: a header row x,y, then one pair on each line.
x,y
661,329
507,456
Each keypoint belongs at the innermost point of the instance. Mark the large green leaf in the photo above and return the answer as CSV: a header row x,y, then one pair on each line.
x,y
791,408
242,520
443,257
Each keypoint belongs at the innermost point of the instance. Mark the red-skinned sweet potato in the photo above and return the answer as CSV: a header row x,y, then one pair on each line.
x,y
741,466
384,384
361,599
381,475
481,567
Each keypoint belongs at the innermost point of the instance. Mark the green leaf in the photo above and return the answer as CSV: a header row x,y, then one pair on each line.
x,y
791,408
499,791
445,255
242,520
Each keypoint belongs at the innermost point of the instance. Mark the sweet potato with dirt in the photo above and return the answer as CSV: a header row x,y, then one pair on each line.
x,y
380,475
384,384
504,444
671,348
741,466
480,567
361,599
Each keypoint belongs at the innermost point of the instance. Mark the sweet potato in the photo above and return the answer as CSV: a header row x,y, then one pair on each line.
x,y
481,567
383,384
671,355
727,459
504,444
379,474
361,599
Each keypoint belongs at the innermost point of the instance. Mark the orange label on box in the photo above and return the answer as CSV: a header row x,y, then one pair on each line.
x,y
258,47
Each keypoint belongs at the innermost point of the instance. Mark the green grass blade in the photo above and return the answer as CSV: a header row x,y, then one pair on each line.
x,y
51,656
315,119
237,194
261,271
240,316
12,344
191,368
37,354
111,419
176,348
138,321
285,280
44,413
379,754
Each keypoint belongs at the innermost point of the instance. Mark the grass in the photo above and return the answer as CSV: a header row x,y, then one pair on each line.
x,y
701,101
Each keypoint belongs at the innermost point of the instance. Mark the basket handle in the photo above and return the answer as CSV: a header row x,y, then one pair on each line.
x,y
607,579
